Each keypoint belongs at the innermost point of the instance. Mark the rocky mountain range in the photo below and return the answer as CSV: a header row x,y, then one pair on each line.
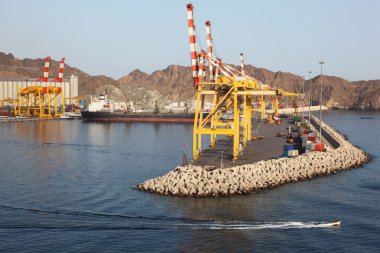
x,y
174,84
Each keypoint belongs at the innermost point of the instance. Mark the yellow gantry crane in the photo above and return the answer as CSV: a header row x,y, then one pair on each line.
x,y
229,95
231,92
40,101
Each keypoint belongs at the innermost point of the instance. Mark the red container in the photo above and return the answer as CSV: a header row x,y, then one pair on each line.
x,y
311,138
319,147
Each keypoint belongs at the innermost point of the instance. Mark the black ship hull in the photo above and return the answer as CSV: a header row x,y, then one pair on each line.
x,y
139,117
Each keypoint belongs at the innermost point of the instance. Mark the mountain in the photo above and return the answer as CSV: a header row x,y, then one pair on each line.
x,y
11,67
175,84
367,95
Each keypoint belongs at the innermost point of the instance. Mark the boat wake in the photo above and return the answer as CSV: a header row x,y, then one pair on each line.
x,y
83,214
177,226
264,225
79,220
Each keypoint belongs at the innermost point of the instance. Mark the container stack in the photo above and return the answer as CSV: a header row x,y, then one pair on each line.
x,y
316,147
309,140
290,150
309,143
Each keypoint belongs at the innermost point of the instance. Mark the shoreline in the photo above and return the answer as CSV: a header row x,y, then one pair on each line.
x,y
244,179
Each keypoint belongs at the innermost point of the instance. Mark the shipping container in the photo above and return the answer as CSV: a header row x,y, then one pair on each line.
x,y
289,147
319,147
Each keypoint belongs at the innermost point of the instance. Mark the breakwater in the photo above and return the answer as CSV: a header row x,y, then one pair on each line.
x,y
200,182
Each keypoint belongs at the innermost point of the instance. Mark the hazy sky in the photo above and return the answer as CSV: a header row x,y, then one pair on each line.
x,y
114,37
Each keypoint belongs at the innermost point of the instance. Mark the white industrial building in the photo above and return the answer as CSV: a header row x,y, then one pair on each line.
x,y
9,87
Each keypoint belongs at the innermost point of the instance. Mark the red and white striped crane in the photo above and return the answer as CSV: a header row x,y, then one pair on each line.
x,y
216,66
202,68
229,89
210,49
193,45
60,71
45,77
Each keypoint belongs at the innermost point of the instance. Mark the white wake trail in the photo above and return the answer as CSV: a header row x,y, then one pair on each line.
x,y
255,226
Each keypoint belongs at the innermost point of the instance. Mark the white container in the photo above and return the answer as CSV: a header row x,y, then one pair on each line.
x,y
292,153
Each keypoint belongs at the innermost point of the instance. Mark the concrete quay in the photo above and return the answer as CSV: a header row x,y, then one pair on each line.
x,y
17,119
197,181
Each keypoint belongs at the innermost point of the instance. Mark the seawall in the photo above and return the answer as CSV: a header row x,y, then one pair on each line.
x,y
199,182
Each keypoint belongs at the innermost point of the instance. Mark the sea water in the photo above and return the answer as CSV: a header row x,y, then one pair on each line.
x,y
68,186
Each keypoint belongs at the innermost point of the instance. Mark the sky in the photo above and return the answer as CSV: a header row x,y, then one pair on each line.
x,y
115,37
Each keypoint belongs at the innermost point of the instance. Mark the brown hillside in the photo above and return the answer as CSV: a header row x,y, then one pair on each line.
x,y
11,67
174,83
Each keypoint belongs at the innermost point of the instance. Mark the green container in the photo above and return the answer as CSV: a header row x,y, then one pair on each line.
x,y
297,118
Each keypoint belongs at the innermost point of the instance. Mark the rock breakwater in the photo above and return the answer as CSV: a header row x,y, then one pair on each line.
x,y
200,182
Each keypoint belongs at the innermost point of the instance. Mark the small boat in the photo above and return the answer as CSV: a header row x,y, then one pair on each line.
x,y
66,117
330,224
366,117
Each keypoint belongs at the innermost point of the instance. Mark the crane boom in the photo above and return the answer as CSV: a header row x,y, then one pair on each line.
x,y
193,46
229,89
61,69
242,64
45,76
209,49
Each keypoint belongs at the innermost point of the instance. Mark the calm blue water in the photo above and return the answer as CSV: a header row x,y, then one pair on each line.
x,y
66,186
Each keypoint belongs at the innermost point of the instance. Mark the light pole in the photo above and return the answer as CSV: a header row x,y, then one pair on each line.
x,y
310,92
303,97
320,105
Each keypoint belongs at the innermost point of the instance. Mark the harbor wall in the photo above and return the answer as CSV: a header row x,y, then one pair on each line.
x,y
196,181
325,134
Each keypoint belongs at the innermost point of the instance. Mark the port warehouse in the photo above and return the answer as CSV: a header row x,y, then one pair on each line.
x,y
9,88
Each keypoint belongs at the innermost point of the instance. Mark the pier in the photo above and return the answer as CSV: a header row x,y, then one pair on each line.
x,y
236,162
198,181
19,119
4,119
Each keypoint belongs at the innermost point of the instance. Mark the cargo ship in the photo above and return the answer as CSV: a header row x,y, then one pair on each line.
x,y
138,117
105,110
